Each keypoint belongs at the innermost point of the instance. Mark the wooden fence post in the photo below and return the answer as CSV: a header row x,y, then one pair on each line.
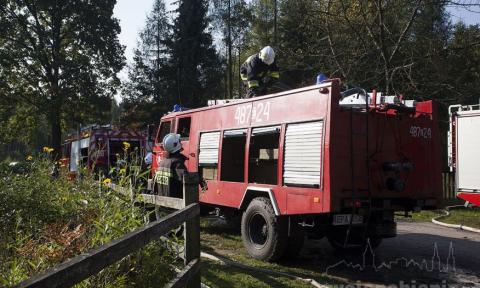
x,y
192,226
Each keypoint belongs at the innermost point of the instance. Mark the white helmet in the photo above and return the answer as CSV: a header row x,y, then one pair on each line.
x,y
267,55
171,143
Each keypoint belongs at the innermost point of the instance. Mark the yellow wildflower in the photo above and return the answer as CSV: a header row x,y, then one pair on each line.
x,y
126,146
123,171
107,181
48,149
29,158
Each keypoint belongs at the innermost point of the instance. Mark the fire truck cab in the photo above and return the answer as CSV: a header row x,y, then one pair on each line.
x,y
97,147
313,160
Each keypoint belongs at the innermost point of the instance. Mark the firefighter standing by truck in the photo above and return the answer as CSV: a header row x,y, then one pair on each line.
x,y
258,71
170,171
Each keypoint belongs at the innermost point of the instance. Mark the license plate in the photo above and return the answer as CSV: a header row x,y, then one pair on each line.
x,y
344,219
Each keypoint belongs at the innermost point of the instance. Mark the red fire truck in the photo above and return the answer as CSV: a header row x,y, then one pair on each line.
x,y
98,146
313,160
463,152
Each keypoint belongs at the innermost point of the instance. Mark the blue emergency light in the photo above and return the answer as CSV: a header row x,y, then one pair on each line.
x,y
177,108
321,77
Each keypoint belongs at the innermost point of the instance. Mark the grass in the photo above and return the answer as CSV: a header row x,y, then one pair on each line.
x,y
215,274
423,216
464,216
225,241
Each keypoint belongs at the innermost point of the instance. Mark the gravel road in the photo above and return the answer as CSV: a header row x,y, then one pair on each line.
x,y
422,253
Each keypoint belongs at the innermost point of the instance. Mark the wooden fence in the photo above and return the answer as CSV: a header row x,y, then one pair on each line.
x,y
87,264
448,181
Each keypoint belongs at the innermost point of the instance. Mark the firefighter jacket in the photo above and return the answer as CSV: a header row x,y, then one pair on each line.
x,y
169,175
253,70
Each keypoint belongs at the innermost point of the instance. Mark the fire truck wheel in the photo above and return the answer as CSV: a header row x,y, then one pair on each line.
x,y
295,241
264,235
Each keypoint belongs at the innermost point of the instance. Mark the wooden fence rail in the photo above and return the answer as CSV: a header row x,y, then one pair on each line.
x,y
87,264
448,181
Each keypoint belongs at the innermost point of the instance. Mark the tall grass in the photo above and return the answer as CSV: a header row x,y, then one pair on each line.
x,y
45,220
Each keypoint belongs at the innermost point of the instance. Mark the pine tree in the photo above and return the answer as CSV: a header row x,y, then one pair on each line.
x,y
263,25
145,94
194,61
232,20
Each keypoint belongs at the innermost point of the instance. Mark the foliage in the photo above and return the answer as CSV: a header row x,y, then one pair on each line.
x,y
45,222
231,20
173,64
301,62
15,118
194,61
402,47
146,91
56,53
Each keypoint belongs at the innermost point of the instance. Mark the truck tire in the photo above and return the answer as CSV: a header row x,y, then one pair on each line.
x,y
264,235
295,241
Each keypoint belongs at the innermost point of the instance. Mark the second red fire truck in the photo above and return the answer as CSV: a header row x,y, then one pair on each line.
x,y
98,147
313,160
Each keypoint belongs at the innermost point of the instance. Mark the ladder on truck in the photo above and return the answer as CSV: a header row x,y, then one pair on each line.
x,y
357,100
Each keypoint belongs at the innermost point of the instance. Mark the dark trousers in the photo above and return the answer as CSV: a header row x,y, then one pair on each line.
x,y
256,91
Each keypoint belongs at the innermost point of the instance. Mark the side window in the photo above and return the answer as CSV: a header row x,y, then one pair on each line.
x,y
303,154
164,130
263,156
233,155
208,156
184,127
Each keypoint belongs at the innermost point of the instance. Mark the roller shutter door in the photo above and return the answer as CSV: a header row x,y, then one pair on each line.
x,y
209,143
265,130
303,154
468,155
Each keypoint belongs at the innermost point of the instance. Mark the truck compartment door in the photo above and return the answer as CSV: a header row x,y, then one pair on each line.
x,y
468,155
303,154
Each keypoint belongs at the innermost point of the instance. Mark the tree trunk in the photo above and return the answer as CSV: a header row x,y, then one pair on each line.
x,y
275,24
55,124
229,44
238,73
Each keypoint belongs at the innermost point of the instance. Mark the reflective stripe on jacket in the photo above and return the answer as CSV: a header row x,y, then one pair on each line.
x,y
169,175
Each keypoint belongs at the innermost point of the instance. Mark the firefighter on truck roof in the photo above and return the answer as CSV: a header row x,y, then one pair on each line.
x,y
169,175
258,71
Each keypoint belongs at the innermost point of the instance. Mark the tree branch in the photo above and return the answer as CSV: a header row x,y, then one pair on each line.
x,y
405,29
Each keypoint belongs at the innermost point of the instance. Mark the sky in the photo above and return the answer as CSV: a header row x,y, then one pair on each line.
x,y
132,14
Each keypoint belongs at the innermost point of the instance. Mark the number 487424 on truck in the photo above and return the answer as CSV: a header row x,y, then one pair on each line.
x,y
313,161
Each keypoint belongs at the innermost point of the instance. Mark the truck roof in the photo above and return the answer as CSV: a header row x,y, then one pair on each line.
x,y
242,101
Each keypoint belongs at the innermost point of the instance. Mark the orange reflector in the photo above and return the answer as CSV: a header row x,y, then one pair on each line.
x,y
316,199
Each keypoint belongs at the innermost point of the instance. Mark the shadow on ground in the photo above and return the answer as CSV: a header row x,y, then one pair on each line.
x,y
422,253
